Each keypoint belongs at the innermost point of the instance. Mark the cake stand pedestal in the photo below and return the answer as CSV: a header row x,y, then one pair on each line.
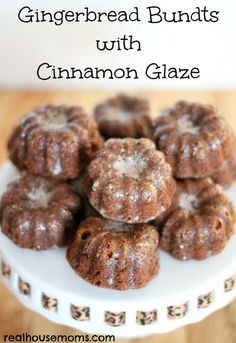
x,y
184,292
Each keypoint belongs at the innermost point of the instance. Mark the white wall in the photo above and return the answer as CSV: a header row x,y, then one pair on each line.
x,y
211,47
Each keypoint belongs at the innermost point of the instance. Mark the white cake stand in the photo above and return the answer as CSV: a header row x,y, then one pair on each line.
x,y
183,293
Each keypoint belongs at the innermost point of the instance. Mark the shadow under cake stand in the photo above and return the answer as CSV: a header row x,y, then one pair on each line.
x,y
184,292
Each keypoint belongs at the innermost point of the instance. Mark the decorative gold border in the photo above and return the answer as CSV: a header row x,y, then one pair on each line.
x,y
116,319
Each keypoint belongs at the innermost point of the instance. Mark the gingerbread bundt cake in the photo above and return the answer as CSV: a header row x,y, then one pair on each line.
x,y
38,213
194,138
199,222
124,116
114,255
129,181
54,141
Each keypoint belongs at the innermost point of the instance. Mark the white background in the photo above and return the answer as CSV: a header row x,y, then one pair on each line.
x,y
210,46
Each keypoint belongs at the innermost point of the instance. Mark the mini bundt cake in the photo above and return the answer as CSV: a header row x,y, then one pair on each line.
x,y
124,116
194,139
54,141
199,222
226,174
129,181
39,213
114,255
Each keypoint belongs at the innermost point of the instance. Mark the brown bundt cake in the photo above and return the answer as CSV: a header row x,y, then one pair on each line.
x,y
54,141
124,116
199,222
226,174
194,139
114,255
129,181
38,213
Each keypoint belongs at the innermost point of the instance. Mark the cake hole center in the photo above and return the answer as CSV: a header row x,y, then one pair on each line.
x,y
120,114
39,198
85,235
130,167
53,121
186,125
189,203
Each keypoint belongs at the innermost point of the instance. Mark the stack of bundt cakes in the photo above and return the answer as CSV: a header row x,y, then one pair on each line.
x,y
199,146
128,184
118,187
